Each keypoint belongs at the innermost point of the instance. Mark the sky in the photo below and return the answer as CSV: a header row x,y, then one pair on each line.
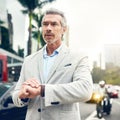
x,y
92,23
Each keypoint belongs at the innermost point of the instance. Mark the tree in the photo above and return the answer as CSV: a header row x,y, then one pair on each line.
x,y
5,38
36,33
5,43
20,51
111,74
97,74
30,6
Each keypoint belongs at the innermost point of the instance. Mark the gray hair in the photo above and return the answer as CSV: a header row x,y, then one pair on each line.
x,y
56,12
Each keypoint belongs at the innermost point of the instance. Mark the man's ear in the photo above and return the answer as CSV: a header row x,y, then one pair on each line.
x,y
64,29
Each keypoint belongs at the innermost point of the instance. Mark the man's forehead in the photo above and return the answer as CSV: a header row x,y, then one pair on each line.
x,y
52,18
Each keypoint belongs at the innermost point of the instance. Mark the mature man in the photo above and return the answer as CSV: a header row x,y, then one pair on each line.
x,y
54,80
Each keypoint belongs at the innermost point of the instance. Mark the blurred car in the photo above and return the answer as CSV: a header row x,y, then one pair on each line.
x,y
112,92
117,87
8,111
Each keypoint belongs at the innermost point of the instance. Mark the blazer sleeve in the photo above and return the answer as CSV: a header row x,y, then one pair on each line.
x,y
16,100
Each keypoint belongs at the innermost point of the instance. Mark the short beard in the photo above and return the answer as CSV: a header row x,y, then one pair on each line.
x,y
51,41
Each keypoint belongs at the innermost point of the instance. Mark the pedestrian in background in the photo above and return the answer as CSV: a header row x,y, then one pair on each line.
x,y
54,79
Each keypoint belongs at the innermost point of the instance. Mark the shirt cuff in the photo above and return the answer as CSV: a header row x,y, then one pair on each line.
x,y
25,100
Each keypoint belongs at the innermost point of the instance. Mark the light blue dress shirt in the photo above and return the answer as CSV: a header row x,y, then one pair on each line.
x,y
49,61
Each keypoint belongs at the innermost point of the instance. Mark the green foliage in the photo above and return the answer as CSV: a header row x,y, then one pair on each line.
x,y
21,52
29,4
111,75
42,40
5,44
36,33
97,74
5,38
29,7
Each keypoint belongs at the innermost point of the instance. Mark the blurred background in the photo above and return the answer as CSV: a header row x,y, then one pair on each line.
x,y
93,27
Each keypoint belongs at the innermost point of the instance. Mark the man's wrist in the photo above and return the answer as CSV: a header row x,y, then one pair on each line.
x,y
42,90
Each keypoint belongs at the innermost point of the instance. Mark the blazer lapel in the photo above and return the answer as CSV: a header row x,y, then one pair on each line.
x,y
58,60
40,66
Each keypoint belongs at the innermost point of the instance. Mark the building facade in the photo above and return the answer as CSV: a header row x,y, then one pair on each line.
x,y
6,27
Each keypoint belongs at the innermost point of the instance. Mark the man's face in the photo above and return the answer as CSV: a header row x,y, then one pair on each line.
x,y
52,30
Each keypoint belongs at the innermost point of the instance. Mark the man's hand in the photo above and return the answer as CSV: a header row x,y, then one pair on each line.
x,y
32,82
30,89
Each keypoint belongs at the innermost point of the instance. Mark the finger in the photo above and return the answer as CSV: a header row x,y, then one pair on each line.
x,y
23,93
32,82
35,82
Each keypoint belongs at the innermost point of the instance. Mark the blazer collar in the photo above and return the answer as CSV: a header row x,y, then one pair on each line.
x,y
62,53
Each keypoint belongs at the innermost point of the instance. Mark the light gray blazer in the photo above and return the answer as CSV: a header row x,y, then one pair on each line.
x,y
69,82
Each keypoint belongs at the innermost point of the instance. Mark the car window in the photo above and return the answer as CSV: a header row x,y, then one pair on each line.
x,y
3,89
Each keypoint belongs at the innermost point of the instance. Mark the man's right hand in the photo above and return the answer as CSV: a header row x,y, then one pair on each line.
x,y
30,89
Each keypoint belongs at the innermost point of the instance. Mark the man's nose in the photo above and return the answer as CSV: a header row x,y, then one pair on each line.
x,y
49,27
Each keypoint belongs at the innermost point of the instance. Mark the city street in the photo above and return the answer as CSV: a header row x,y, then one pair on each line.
x,y
49,48
88,111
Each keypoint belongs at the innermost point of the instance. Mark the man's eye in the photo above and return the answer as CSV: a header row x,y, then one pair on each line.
x,y
45,24
54,24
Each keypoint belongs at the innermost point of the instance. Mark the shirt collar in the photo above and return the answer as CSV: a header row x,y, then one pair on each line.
x,y
54,53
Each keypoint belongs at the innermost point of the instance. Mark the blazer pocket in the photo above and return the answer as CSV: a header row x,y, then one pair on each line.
x,y
64,68
69,64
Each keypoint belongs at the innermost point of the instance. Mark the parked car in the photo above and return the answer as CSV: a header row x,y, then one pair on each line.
x,y
8,111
